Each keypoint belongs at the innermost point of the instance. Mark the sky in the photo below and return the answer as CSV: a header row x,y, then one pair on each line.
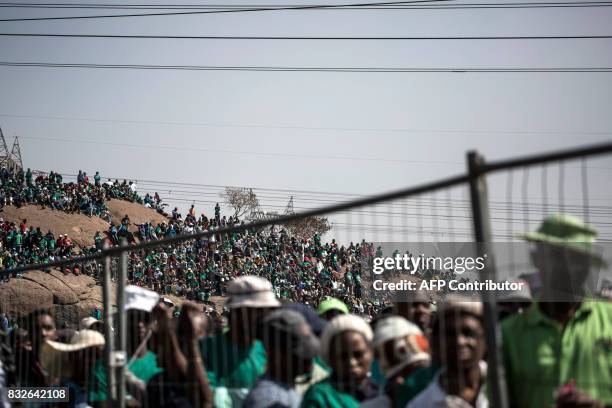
x,y
341,133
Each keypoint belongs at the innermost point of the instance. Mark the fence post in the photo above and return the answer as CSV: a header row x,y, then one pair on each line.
x,y
496,379
108,333
121,352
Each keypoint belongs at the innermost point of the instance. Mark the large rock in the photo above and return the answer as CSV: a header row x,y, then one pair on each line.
x,y
21,296
80,284
69,297
62,293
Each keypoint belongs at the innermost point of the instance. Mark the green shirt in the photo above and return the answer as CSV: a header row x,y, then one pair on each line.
x,y
324,395
143,368
231,366
414,384
541,355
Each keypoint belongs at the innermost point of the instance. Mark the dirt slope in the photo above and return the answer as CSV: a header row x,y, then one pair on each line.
x,y
79,227
138,213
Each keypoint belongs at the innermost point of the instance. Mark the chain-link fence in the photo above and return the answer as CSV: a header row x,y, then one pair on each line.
x,y
77,326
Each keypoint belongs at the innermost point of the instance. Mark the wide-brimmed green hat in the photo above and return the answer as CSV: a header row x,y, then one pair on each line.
x,y
568,232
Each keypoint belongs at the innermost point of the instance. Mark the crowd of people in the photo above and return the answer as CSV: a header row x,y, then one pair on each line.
x,y
304,270
274,352
85,196
23,244
300,327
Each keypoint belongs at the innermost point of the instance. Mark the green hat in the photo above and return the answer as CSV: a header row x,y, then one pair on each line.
x,y
332,304
569,232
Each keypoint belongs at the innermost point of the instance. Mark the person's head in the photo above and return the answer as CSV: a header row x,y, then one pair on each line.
x,y
139,303
316,323
331,307
40,326
400,347
290,344
563,271
458,334
192,322
138,323
250,298
564,253
417,310
345,347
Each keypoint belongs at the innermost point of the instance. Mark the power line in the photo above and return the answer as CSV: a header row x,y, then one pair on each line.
x,y
255,153
311,38
598,210
250,153
389,214
243,10
385,227
308,69
509,5
350,129
345,196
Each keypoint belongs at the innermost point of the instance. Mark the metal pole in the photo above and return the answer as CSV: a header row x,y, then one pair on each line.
x,y
496,378
108,333
121,352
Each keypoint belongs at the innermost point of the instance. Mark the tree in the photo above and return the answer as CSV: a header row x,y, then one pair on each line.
x,y
241,200
306,228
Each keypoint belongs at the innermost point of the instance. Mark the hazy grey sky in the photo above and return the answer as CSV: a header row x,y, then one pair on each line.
x,y
420,123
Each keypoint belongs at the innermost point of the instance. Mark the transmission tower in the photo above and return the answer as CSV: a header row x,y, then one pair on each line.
x,y
5,158
289,209
16,153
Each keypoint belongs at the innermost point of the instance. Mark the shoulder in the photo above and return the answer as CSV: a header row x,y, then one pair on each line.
x,y
382,401
258,349
260,395
317,391
511,324
267,393
601,314
601,307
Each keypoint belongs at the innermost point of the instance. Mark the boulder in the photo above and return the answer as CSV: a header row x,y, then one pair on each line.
x,y
62,293
19,297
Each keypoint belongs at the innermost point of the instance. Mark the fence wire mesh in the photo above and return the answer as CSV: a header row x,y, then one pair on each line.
x,y
196,340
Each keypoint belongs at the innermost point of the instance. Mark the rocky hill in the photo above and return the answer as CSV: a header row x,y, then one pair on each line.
x,y
80,227
69,297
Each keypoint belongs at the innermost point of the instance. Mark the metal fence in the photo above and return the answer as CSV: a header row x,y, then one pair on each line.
x,y
456,208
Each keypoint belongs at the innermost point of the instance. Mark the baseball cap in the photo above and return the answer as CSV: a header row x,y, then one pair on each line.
x,y
289,323
317,324
332,304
